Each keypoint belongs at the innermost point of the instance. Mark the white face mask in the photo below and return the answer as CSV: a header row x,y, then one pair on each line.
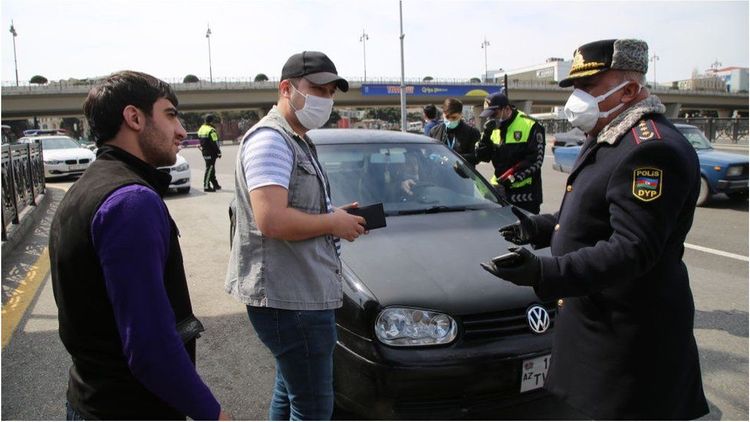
x,y
316,111
582,109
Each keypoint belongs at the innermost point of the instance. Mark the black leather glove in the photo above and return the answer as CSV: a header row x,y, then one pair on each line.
x,y
524,271
522,232
490,125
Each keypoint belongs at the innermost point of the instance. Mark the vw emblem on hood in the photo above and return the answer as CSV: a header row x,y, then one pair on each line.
x,y
538,319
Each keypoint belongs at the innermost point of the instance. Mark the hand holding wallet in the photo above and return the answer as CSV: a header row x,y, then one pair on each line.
x,y
374,215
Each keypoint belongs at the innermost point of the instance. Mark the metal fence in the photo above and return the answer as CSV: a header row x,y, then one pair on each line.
x,y
22,180
731,131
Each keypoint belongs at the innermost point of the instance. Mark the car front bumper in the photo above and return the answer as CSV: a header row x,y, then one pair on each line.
x,y
63,170
180,179
731,185
440,382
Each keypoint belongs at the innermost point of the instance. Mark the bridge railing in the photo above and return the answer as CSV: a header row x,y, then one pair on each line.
x,y
248,83
718,130
23,180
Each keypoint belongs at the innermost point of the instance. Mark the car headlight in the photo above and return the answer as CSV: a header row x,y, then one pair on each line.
x,y
182,167
734,171
52,162
414,327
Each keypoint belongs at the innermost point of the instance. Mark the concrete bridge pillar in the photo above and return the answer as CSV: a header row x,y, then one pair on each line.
x,y
476,110
724,113
524,106
673,110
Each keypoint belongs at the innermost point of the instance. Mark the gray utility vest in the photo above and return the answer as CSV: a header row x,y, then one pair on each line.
x,y
293,275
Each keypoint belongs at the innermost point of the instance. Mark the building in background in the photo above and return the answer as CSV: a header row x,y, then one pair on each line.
x,y
734,77
551,71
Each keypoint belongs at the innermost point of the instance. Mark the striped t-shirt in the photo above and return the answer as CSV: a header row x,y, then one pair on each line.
x,y
267,160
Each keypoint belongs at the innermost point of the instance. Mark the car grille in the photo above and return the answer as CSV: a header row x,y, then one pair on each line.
x,y
164,170
82,161
502,324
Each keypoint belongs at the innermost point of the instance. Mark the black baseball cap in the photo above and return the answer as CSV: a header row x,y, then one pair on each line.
x,y
493,102
314,66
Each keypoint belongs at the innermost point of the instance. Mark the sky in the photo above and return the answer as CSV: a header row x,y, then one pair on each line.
x,y
443,38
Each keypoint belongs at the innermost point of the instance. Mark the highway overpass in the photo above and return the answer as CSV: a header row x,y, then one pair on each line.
x,y
65,100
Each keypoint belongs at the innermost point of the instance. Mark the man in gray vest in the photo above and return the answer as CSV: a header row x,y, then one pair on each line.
x,y
284,263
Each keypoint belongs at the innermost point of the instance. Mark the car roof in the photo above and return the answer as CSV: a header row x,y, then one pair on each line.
x,y
683,125
365,136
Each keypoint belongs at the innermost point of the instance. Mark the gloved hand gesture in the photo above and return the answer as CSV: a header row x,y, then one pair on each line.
x,y
490,125
522,232
524,271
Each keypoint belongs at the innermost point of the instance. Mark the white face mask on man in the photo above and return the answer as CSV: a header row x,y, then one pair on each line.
x,y
316,111
582,109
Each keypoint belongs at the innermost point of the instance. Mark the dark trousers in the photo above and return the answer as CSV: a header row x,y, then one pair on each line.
x,y
532,207
209,177
71,414
302,343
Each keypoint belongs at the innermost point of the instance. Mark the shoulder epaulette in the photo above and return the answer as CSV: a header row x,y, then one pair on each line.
x,y
645,130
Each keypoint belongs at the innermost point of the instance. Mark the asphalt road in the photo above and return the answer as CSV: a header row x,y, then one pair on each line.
x,y
240,370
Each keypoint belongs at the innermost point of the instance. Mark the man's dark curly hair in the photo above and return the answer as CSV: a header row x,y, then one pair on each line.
x,y
104,104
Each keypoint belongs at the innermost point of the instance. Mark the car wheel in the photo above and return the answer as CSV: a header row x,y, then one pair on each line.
x,y
183,190
737,196
704,194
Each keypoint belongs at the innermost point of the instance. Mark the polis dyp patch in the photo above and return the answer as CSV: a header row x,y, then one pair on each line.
x,y
647,183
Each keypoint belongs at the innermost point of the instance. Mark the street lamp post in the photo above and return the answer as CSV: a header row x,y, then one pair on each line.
x,y
654,58
485,44
363,39
403,86
15,62
210,72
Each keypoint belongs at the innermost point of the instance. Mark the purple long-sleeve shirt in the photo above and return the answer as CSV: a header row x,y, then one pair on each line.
x,y
131,232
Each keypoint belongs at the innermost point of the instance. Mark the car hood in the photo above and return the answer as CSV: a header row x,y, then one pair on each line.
x,y
68,154
712,156
432,261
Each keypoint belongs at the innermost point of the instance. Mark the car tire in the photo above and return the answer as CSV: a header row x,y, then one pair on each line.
x,y
705,193
183,190
737,196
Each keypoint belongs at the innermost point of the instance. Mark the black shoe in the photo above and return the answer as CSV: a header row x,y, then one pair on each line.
x,y
209,190
217,187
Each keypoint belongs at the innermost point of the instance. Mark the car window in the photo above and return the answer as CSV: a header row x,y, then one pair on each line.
x,y
696,138
408,177
59,143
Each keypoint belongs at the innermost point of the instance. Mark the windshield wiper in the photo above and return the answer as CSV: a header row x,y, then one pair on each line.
x,y
435,209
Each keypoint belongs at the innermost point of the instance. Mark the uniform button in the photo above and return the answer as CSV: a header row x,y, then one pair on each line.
x,y
557,227
569,188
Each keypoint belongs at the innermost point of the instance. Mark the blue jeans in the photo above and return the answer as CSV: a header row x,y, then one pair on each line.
x,y
302,343
72,414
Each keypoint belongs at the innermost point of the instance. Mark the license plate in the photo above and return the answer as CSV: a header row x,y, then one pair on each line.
x,y
534,372
77,167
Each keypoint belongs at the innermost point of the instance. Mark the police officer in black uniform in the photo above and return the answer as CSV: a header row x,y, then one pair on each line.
x,y
624,345
514,142
211,152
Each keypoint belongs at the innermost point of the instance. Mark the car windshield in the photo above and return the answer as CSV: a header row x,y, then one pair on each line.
x,y
696,137
59,143
406,178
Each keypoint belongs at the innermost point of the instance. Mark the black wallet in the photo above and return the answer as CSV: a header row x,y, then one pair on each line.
x,y
374,215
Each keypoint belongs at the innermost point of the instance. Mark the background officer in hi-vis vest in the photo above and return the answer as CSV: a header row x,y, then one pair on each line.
x,y
210,146
514,142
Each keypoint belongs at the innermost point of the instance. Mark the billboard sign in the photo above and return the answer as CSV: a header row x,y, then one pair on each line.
x,y
431,90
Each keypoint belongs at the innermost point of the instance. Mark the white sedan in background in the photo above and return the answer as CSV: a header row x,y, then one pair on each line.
x,y
180,172
63,156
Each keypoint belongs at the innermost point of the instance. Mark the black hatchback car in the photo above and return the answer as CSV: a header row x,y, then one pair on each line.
x,y
424,331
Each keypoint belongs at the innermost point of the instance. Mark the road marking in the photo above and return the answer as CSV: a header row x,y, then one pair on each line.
x,y
14,310
718,252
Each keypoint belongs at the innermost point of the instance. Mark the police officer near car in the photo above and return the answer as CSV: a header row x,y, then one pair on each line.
x,y
210,146
514,143
624,346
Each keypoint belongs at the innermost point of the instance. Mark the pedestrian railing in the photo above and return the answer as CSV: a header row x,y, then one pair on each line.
x,y
22,180
719,130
